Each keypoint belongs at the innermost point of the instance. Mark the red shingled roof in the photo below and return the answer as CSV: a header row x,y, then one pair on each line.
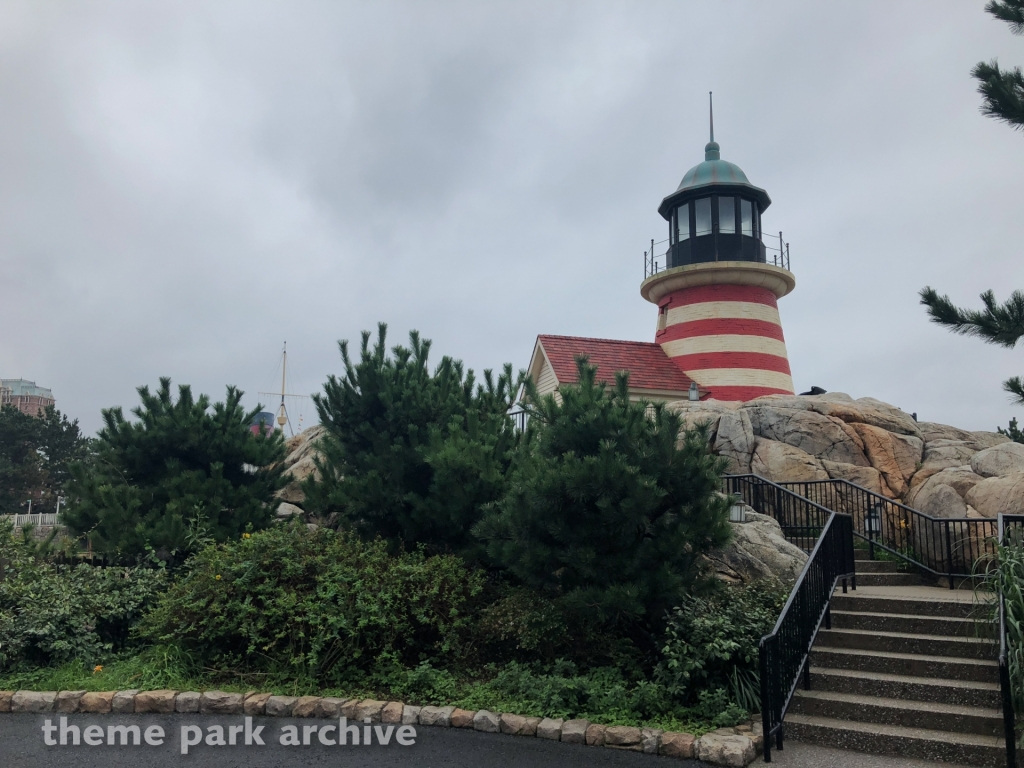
x,y
648,365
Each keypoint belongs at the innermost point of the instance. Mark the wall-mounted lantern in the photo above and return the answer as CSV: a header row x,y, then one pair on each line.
x,y
738,510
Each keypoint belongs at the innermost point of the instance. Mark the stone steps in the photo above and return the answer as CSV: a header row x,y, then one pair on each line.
x,y
895,579
875,566
903,642
905,670
970,693
910,623
881,739
981,670
865,602
985,721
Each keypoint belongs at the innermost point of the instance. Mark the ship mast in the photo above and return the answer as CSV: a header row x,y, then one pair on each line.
x,y
282,412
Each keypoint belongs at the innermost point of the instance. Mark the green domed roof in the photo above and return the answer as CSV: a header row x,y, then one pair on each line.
x,y
713,172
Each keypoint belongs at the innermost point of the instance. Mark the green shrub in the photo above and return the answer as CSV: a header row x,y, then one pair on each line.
x,y
52,614
610,503
320,603
411,455
183,472
711,643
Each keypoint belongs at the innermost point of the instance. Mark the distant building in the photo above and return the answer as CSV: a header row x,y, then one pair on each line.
x,y
25,396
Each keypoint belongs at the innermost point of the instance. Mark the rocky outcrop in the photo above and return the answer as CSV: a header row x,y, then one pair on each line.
x,y
757,551
299,464
938,469
780,462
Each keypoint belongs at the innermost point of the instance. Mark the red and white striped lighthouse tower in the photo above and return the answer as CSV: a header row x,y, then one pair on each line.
x,y
718,316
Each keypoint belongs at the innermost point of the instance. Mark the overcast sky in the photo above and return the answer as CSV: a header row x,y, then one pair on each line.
x,y
184,186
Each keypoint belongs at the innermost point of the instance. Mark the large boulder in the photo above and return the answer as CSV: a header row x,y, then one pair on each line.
x,y
998,495
940,454
940,500
782,463
978,441
999,461
866,477
896,456
839,405
822,436
960,479
735,441
694,412
757,551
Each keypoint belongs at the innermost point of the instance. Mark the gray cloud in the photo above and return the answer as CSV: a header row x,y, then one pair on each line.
x,y
183,186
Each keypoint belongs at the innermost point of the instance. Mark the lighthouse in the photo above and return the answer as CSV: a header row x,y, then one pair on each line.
x,y
717,295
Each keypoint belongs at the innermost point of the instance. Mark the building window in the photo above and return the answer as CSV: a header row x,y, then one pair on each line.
x,y
746,218
702,217
727,215
683,222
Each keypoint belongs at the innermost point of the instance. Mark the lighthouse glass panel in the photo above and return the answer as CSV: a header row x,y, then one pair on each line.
x,y
683,222
746,218
727,215
702,209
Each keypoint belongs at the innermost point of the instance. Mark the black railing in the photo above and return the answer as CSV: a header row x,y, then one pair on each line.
x,y
784,654
656,259
946,547
1011,532
801,518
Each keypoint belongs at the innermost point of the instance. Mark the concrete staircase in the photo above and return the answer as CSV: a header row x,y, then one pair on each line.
x,y
905,671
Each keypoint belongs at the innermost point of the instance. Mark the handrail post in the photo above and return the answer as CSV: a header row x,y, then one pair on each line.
x,y
766,698
949,556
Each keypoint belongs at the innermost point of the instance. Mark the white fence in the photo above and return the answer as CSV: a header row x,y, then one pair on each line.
x,y
40,520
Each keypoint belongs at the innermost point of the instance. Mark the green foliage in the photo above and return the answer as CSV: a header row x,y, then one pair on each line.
x,y
1001,324
322,604
1007,579
411,455
181,466
51,614
610,503
712,642
35,455
1003,90
1012,431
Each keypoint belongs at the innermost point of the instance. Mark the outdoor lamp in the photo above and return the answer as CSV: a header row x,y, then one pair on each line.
x,y
694,391
875,520
738,510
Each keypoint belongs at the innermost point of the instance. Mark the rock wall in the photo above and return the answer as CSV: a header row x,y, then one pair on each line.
x,y
937,469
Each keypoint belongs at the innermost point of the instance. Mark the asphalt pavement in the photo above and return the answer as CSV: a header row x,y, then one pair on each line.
x,y
22,745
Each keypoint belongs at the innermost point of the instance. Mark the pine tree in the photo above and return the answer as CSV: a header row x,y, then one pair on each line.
x,y
35,455
183,472
1001,324
610,502
1003,90
411,455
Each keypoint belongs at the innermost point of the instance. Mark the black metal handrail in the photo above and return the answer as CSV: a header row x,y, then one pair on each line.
x,y
655,262
1005,523
784,654
949,547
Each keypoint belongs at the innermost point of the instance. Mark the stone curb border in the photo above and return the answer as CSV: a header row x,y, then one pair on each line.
x,y
733,747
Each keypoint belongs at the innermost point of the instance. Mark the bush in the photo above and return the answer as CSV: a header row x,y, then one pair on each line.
x,y
411,455
52,614
183,473
610,503
712,642
320,603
